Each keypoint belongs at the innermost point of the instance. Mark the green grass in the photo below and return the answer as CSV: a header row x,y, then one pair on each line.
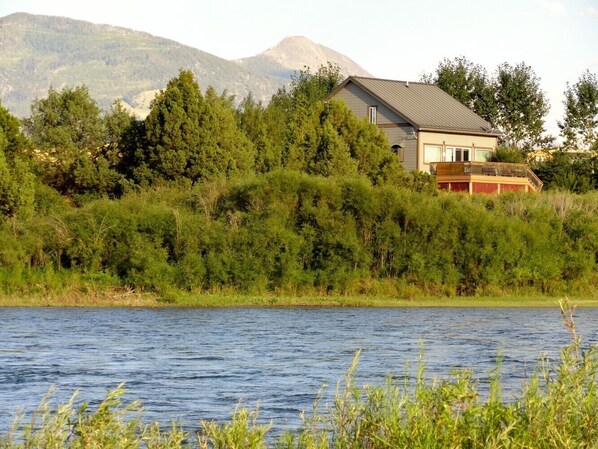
x,y
556,408
123,297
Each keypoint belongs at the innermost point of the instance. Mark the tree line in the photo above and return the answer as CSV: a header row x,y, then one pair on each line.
x,y
296,196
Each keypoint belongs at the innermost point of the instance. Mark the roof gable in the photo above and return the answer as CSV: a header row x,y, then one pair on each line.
x,y
425,106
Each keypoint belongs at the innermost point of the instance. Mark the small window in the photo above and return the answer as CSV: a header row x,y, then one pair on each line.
x,y
372,114
432,153
399,151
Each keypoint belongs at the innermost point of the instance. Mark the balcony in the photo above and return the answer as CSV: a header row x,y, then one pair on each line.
x,y
485,177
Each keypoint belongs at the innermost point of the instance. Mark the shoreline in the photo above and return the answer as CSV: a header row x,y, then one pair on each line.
x,y
148,300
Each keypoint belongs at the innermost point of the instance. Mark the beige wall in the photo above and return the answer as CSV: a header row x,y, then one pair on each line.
x,y
447,140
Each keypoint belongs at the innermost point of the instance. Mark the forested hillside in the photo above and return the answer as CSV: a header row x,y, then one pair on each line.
x,y
38,52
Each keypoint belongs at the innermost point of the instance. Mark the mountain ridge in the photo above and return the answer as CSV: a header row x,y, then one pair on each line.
x,y
38,51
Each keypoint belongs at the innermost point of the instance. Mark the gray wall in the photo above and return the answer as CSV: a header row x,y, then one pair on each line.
x,y
396,127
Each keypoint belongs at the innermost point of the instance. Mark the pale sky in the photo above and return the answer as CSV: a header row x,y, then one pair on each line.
x,y
395,39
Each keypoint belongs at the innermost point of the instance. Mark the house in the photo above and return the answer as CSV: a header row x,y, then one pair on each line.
x,y
428,129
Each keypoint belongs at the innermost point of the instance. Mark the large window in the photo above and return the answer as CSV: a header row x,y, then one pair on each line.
x,y
432,153
457,154
373,114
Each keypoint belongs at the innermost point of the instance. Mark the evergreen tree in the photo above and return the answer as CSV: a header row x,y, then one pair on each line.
x,y
253,120
192,137
124,140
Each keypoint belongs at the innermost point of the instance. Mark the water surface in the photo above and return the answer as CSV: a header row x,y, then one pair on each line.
x,y
192,364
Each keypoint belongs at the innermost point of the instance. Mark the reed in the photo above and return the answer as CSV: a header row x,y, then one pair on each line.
x,y
556,408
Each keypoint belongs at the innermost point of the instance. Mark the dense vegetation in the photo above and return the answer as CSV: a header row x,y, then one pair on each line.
x,y
555,408
296,197
289,232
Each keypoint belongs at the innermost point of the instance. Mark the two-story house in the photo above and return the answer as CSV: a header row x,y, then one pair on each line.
x,y
431,131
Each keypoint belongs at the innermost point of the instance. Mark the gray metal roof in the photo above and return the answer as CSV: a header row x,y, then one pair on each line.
x,y
425,106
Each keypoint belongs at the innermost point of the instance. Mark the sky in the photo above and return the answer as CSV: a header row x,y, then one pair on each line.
x,y
394,39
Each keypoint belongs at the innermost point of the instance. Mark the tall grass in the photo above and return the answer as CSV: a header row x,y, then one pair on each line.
x,y
556,408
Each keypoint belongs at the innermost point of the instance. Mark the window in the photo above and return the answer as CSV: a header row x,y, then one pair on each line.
x,y
432,153
399,151
372,114
457,154
483,155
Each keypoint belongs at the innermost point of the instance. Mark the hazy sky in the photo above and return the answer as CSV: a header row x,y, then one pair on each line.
x,y
396,39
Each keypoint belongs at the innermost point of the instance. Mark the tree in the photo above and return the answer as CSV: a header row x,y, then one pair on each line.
x,y
307,88
253,119
580,125
194,137
12,141
17,182
290,114
72,145
345,145
124,139
17,186
467,82
574,172
65,124
521,106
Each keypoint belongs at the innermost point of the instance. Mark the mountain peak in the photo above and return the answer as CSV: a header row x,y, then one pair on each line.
x,y
298,52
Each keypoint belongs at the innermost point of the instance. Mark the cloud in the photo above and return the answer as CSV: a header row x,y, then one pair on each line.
x,y
592,11
552,6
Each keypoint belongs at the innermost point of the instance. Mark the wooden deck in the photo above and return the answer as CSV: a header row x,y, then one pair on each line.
x,y
485,177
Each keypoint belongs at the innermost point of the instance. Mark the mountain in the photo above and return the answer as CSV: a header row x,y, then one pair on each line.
x,y
297,52
37,52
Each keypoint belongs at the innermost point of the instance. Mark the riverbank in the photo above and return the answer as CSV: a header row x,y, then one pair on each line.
x,y
130,298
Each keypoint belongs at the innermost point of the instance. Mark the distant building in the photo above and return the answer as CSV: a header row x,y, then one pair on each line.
x,y
427,127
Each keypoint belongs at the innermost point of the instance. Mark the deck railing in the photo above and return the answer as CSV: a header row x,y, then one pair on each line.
x,y
473,168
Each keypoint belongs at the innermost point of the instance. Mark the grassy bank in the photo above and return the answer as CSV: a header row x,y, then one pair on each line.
x,y
130,298
556,408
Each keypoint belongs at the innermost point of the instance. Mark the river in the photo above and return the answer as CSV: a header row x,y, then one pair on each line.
x,y
192,364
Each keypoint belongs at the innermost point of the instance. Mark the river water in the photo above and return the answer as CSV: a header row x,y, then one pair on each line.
x,y
192,364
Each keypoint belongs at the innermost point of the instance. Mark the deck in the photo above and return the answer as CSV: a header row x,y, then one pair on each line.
x,y
485,177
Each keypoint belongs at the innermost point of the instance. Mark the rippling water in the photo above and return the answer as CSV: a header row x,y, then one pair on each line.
x,y
192,364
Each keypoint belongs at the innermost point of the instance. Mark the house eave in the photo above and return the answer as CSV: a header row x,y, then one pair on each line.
x,y
466,132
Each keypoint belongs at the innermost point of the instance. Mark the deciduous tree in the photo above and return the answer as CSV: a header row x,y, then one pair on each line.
x,y
12,140
580,125
66,124
467,82
521,106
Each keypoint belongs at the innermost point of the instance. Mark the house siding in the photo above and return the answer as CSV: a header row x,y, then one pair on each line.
x,y
402,136
396,128
446,139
